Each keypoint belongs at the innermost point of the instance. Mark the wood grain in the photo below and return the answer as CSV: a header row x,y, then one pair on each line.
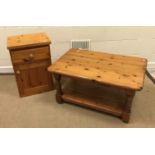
x,y
30,55
117,70
101,81
27,40
33,78
91,95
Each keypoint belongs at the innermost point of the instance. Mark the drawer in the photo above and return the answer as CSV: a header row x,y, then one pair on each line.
x,y
30,55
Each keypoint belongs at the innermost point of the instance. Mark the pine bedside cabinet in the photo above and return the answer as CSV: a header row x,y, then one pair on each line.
x,y
97,80
30,55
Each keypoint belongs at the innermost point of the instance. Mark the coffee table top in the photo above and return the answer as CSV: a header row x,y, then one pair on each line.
x,y
117,70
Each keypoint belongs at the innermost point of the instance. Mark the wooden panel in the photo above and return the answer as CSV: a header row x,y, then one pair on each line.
x,y
28,40
92,95
102,56
117,70
33,78
43,71
30,55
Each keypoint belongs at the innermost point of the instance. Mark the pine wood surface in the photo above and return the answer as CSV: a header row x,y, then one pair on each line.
x,y
29,55
95,96
27,40
117,70
33,77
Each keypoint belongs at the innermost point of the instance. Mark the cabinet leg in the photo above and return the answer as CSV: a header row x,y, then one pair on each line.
x,y
58,88
127,107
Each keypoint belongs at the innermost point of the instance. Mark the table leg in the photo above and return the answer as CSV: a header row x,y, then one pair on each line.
x,y
127,108
58,88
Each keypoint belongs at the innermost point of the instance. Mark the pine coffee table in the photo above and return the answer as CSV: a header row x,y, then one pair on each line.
x,y
100,81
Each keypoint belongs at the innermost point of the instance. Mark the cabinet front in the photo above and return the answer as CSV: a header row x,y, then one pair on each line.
x,y
33,78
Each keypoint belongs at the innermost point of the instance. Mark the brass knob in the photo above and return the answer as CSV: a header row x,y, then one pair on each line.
x,y
18,72
31,56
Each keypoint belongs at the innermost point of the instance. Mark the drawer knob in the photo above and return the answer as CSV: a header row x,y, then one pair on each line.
x,y
18,72
31,56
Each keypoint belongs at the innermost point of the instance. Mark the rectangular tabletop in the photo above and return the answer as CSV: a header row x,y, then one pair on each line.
x,y
111,69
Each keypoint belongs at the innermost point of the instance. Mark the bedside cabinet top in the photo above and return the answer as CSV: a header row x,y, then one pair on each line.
x,y
28,40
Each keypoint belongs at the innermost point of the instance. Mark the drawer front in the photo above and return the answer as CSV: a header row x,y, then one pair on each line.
x,y
30,55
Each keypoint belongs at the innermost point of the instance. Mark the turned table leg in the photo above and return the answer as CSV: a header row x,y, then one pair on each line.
x,y
58,88
127,107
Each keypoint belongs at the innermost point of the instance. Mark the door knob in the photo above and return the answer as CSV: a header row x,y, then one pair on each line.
x,y
18,72
31,56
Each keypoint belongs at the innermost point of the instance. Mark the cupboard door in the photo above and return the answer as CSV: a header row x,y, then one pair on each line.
x,y
33,78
